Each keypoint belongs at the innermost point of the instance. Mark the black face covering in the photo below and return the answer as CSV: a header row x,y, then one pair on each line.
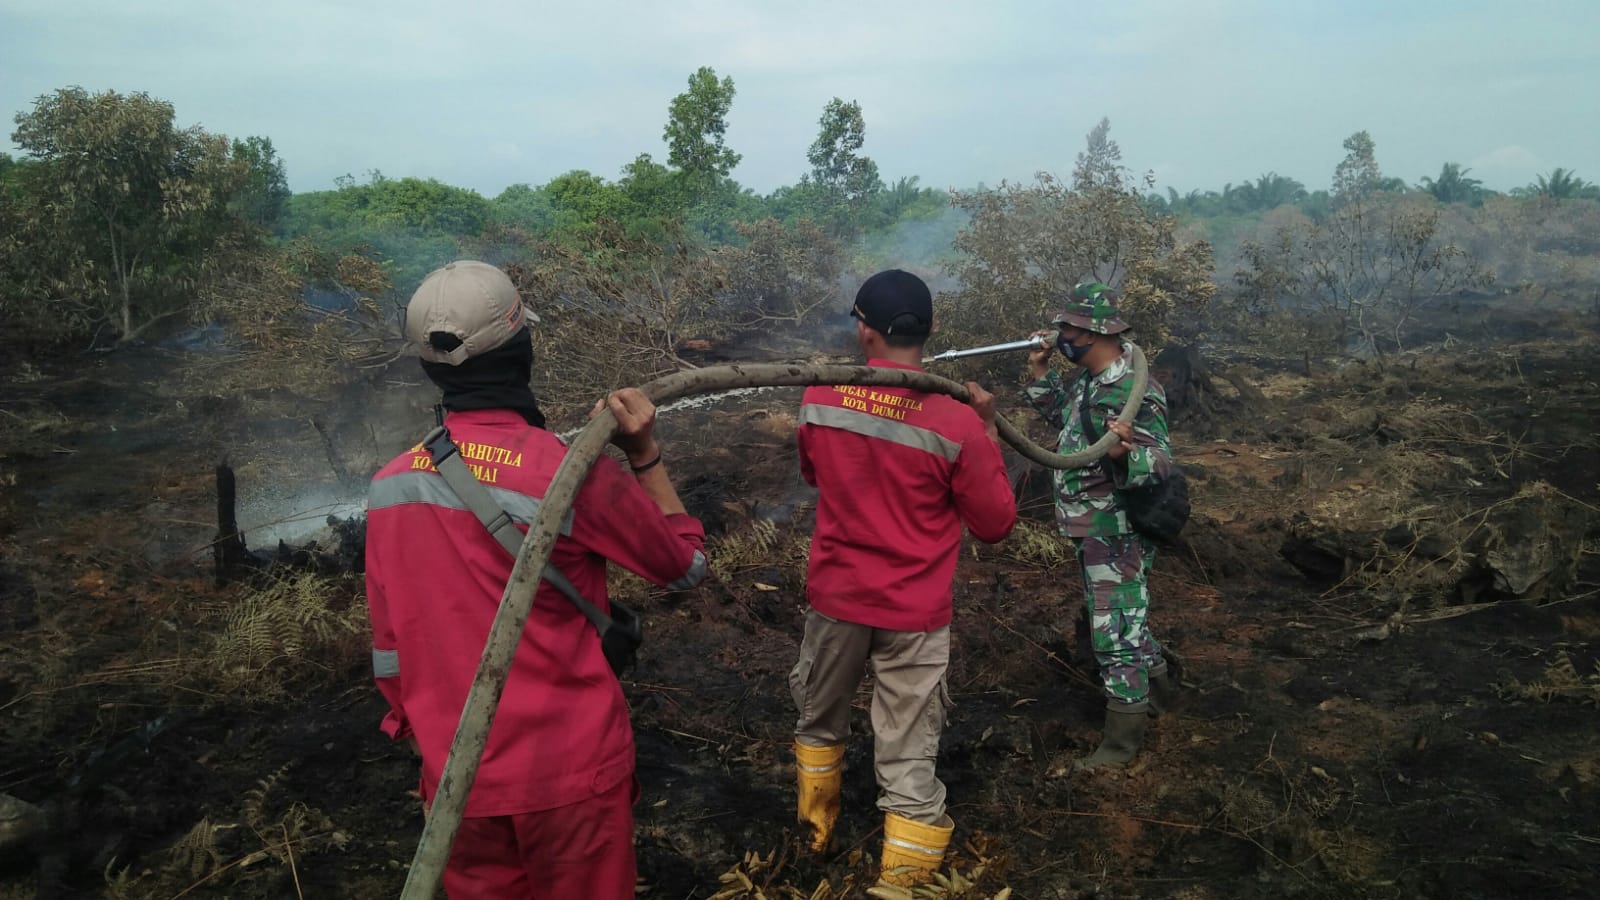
x,y
1073,352
497,379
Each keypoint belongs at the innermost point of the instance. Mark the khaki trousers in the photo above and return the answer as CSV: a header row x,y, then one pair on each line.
x,y
910,701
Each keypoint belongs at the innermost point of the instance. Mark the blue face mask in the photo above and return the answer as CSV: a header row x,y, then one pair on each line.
x,y
1071,351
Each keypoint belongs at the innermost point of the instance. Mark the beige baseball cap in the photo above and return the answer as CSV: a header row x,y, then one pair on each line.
x,y
472,300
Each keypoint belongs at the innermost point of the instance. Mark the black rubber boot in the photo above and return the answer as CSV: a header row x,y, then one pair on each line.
x,y
1120,742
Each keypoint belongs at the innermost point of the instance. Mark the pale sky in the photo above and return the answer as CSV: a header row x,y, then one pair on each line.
x,y
1201,92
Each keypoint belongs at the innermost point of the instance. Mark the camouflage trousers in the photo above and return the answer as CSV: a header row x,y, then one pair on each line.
x,y
1116,571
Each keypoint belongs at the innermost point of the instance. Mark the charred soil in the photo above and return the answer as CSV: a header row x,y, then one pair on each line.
x,y
1354,721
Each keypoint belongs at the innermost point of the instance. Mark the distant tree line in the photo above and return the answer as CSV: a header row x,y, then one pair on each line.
x,y
1271,191
413,223
116,222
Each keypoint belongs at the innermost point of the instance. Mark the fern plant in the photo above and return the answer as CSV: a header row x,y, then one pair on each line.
x,y
269,636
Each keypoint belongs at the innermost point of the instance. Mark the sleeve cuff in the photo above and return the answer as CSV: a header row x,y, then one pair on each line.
x,y
1135,469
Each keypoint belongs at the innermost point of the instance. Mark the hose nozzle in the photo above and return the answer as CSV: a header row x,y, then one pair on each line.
x,y
1032,343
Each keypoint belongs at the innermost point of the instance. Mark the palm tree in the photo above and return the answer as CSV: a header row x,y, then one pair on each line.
x,y
1564,184
1273,190
898,197
1453,185
1240,199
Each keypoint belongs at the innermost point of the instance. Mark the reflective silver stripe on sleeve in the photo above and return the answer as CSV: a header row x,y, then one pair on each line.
x,y
879,427
386,663
429,488
696,573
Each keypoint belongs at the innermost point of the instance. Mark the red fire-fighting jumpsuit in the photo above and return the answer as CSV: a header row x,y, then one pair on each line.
x,y
550,813
898,473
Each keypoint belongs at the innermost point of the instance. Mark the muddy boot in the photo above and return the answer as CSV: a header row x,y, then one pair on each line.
x,y
912,851
1125,727
819,774
1163,692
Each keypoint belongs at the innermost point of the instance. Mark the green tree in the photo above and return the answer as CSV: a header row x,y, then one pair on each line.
x,y
427,205
906,197
127,202
1357,175
654,190
1273,190
34,266
835,156
790,203
1564,184
697,125
264,198
1453,185
583,200
423,206
411,225
844,180
1317,205
1268,191
717,213
1237,201
522,206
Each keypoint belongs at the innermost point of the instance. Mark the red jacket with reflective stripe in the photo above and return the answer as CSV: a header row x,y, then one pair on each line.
x,y
434,580
897,472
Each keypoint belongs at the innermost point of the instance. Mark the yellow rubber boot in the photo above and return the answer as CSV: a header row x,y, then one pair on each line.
x,y
819,773
912,851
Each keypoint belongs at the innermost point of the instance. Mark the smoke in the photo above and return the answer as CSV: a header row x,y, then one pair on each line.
x,y
326,300
207,338
294,517
921,245
330,463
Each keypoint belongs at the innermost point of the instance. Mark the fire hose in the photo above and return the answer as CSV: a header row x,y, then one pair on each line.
x,y
483,698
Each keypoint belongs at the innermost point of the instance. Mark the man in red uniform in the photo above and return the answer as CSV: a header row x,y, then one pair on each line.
x,y
898,473
550,814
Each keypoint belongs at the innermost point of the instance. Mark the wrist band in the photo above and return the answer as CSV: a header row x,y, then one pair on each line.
x,y
647,466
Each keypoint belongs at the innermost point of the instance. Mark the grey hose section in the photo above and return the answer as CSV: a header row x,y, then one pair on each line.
x,y
505,633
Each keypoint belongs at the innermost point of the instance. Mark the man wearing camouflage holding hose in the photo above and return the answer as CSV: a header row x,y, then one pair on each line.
x,y
1115,559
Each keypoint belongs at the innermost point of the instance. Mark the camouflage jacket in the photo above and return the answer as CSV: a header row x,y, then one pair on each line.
x,y
1087,504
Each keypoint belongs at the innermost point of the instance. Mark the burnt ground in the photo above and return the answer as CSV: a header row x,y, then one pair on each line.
x,y
1359,733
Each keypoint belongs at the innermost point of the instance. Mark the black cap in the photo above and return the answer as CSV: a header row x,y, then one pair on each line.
x,y
895,302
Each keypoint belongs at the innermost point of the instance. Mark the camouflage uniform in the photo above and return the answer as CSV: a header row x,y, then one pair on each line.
x,y
1115,559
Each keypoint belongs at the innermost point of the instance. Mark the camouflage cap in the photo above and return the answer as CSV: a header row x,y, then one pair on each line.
x,y
1093,307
